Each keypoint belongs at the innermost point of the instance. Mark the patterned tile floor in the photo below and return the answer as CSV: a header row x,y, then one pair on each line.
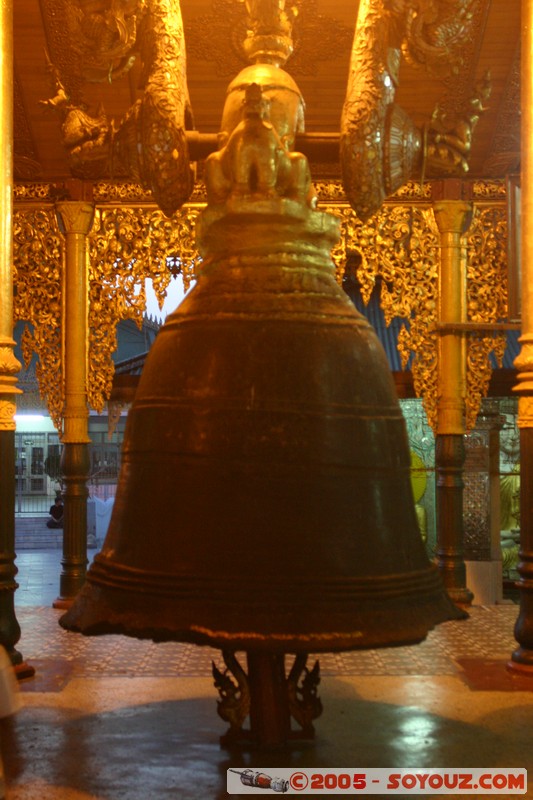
x,y
113,718
487,634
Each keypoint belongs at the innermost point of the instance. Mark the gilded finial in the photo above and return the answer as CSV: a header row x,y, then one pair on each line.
x,y
269,34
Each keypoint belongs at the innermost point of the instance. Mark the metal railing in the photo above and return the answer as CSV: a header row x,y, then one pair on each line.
x,y
37,472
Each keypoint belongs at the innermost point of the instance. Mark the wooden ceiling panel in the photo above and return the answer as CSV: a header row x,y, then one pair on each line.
x,y
214,30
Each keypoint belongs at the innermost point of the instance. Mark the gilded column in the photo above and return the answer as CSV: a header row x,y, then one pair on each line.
x,y
75,218
453,218
9,365
522,658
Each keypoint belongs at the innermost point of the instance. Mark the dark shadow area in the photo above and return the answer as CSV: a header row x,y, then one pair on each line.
x,y
171,749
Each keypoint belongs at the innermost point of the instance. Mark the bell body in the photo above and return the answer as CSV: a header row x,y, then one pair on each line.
x,y
264,499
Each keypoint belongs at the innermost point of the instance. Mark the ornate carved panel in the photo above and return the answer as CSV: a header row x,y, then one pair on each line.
x,y
487,299
132,240
126,246
38,258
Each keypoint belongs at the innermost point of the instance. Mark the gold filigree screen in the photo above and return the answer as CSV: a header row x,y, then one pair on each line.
x,y
38,274
401,245
134,241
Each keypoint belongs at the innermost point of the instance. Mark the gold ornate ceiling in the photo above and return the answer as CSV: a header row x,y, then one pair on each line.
x,y
214,31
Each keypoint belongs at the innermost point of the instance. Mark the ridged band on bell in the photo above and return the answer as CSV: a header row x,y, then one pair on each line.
x,y
264,499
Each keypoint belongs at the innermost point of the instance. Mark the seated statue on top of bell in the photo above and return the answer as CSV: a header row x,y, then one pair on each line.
x,y
253,159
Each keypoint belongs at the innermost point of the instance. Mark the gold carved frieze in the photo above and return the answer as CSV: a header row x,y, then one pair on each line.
x,y
33,192
489,190
129,193
412,191
123,193
332,191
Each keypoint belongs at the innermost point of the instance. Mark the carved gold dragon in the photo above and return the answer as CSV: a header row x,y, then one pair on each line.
x,y
149,144
381,148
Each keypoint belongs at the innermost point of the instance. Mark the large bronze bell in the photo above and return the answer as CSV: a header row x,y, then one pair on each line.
x,y
264,500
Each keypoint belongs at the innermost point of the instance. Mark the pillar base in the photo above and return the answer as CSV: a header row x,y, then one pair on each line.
x,y
21,668
24,671
521,662
75,465
449,465
71,580
63,602
461,597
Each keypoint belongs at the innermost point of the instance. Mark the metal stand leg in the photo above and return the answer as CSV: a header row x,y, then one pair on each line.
x,y
268,697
